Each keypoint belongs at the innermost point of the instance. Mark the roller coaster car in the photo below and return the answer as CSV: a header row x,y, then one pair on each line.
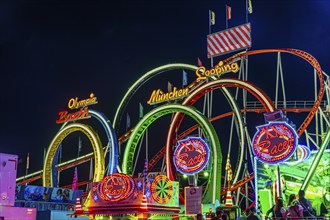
x,y
274,116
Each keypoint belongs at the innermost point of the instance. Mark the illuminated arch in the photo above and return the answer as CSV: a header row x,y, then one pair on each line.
x,y
47,179
132,89
212,191
112,146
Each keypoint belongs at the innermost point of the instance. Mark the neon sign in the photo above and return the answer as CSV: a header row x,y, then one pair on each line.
x,y
64,116
191,155
161,189
115,187
218,70
158,96
74,103
274,142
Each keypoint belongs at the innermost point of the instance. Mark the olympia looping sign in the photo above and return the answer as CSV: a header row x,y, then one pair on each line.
x,y
274,142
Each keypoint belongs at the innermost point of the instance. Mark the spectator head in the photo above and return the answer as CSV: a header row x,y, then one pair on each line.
x,y
301,193
219,213
291,198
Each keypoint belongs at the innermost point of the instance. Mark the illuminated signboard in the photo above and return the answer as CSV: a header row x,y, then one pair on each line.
x,y
191,155
161,189
218,70
75,103
115,187
302,154
274,142
158,96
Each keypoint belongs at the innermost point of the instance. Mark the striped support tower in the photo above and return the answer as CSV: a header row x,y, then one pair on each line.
x,y
229,200
229,40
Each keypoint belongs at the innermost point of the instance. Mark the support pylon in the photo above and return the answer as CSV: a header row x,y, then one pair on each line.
x,y
229,200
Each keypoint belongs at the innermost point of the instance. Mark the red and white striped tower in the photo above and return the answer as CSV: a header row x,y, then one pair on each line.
x,y
229,200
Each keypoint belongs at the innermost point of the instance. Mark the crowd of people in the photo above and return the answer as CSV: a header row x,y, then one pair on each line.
x,y
296,208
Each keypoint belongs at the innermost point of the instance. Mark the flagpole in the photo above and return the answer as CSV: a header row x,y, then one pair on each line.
x,y
226,16
210,16
246,11
27,166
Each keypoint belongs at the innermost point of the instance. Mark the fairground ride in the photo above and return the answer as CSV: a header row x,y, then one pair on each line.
x,y
314,129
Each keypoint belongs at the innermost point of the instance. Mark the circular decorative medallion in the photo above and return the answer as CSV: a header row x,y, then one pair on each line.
x,y
274,142
191,155
115,187
161,189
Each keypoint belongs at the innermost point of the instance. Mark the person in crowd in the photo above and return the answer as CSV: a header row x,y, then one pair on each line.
x,y
225,217
325,205
291,198
295,210
199,216
253,214
218,215
277,210
305,203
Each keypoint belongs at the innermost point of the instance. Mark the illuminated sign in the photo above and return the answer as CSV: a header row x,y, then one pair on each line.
x,y
158,96
191,155
218,70
161,189
115,187
75,103
64,116
302,154
274,142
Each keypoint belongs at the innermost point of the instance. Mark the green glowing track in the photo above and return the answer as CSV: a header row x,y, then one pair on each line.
x,y
316,161
212,190
140,82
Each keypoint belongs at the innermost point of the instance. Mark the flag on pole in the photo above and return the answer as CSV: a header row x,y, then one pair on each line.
x,y
75,179
140,110
250,10
184,78
199,62
79,145
228,12
211,17
28,161
128,122
45,151
169,86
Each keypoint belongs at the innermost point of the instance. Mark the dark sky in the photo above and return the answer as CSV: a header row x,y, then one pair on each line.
x,y
51,51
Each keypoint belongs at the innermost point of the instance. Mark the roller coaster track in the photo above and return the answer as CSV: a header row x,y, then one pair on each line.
x,y
238,184
74,162
304,55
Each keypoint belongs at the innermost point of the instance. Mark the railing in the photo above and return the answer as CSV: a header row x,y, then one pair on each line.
x,y
287,104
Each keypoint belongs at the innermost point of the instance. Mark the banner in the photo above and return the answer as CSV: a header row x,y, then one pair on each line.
x,y
229,40
193,198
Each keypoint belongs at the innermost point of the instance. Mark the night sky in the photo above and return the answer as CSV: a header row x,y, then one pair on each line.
x,y
51,51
